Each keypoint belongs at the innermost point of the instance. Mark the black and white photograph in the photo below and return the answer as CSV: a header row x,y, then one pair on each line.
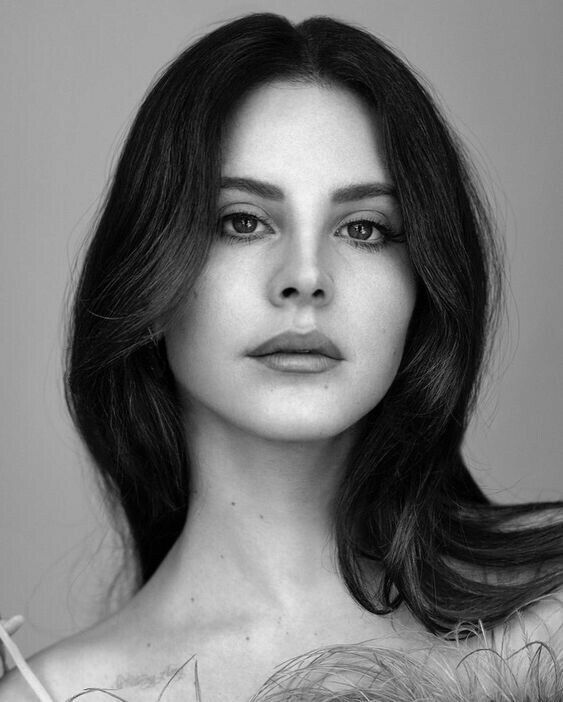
x,y
282,351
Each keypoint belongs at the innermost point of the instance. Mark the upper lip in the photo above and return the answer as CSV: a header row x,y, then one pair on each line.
x,y
295,342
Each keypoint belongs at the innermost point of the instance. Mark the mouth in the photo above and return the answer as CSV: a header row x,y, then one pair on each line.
x,y
313,342
312,352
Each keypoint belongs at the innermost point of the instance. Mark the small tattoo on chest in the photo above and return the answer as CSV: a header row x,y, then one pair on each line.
x,y
145,681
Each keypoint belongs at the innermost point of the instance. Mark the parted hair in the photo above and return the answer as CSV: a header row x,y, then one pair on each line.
x,y
407,501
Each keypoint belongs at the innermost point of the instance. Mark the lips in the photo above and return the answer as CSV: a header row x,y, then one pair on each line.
x,y
314,343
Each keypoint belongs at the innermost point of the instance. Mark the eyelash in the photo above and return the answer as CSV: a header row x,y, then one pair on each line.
x,y
387,233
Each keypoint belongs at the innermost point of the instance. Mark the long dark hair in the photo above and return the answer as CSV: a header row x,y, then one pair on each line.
x,y
407,500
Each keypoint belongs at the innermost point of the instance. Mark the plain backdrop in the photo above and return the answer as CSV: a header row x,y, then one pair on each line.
x,y
73,73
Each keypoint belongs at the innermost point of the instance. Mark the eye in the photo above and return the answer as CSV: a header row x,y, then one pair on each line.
x,y
366,233
243,225
361,230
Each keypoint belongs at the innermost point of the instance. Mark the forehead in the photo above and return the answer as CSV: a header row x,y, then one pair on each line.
x,y
288,132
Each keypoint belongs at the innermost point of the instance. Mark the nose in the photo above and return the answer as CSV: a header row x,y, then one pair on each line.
x,y
300,277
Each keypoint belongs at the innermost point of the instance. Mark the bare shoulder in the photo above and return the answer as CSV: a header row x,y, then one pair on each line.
x,y
63,667
540,622
527,648
47,667
13,688
121,654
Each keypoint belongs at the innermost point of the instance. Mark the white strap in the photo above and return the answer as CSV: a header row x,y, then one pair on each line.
x,y
23,667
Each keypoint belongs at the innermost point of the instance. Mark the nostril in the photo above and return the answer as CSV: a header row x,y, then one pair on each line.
x,y
288,292
318,293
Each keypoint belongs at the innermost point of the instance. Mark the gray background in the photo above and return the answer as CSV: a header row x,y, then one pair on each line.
x,y
72,75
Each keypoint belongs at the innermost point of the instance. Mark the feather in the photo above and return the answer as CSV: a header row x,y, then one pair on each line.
x,y
372,674
435,672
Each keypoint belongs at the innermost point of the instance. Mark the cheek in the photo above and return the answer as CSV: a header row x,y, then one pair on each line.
x,y
382,322
387,303
190,335
207,326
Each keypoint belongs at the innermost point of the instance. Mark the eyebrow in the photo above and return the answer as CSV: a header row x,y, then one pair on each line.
x,y
347,193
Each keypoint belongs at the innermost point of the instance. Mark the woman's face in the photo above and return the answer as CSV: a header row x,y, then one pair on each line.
x,y
311,249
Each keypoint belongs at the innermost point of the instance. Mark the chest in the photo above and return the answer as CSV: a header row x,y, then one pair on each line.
x,y
337,673
232,665
232,662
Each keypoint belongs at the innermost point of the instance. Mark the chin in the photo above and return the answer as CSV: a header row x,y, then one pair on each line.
x,y
298,429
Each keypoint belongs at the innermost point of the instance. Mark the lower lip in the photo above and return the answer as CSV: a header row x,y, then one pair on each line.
x,y
297,362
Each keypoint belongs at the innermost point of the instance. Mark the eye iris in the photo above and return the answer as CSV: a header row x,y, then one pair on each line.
x,y
359,230
244,224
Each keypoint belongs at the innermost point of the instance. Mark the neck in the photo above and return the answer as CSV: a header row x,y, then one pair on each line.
x,y
260,518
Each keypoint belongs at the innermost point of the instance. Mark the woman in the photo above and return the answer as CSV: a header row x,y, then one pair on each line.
x,y
276,345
